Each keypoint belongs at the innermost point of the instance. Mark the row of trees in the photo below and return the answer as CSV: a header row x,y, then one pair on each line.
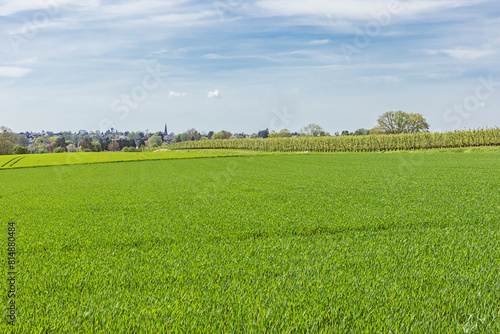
x,y
372,143
389,123
393,122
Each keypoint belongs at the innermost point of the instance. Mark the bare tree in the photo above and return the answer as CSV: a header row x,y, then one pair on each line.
x,y
113,146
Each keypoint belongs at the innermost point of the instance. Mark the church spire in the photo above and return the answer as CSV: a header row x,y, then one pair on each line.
x,y
166,129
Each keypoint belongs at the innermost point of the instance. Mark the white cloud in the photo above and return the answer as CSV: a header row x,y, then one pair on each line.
x,y
176,94
381,78
467,54
213,56
320,42
214,94
26,61
9,7
462,53
356,9
13,71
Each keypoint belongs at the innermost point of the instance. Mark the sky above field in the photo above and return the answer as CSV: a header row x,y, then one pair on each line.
x,y
247,65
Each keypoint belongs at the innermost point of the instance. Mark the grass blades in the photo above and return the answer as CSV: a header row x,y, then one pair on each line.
x,y
283,243
58,159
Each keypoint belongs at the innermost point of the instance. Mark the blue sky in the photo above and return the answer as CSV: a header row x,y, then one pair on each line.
x,y
247,65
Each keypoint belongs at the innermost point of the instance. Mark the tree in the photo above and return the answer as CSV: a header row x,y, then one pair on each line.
x,y
263,133
160,134
311,130
18,149
7,140
210,134
182,137
395,122
96,147
193,134
71,148
8,134
60,142
86,144
22,141
113,146
282,134
6,146
133,135
222,135
361,132
154,141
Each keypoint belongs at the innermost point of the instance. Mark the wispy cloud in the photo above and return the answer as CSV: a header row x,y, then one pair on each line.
x,y
176,94
468,54
382,78
13,71
26,61
354,9
249,49
463,53
320,42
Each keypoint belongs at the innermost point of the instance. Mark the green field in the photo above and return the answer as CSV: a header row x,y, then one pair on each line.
x,y
361,242
58,159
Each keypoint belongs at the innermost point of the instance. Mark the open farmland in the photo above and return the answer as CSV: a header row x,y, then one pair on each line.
x,y
369,143
59,159
360,242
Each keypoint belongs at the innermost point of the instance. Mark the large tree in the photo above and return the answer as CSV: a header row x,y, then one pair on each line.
x,y
87,144
222,135
361,132
60,142
282,134
395,122
113,146
182,137
7,140
154,141
312,130
6,146
263,133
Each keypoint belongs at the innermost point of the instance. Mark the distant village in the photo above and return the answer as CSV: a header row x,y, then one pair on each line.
x,y
110,140
130,141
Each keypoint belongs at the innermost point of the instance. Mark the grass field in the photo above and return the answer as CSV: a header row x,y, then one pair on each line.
x,y
355,243
58,159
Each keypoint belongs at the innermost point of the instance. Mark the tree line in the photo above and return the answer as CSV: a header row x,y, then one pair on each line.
x,y
393,122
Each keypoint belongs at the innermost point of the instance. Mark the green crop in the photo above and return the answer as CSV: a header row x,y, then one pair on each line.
x,y
356,243
58,159
370,143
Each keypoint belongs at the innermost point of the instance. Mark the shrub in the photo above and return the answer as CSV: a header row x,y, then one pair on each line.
x,y
18,149
71,148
